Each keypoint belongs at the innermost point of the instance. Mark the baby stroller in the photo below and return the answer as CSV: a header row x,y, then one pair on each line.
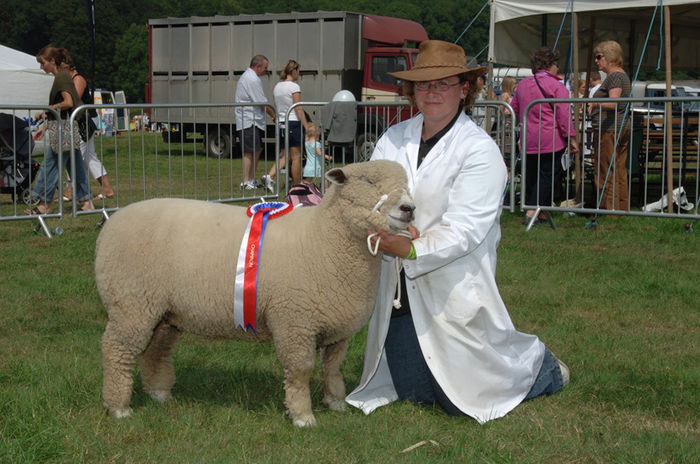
x,y
17,167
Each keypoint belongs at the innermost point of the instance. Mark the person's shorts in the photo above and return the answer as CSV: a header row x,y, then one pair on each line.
x,y
251,139
294,132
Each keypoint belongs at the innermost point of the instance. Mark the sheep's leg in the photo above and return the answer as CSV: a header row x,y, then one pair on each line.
x,y
332,357
297,357
118,362
157,371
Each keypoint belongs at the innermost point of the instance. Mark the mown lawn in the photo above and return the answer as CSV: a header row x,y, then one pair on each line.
x,y
618,303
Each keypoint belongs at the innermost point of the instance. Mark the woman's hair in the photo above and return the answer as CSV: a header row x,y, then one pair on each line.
x,y
543,58
508,84
467,102
611,50
60,56
291,66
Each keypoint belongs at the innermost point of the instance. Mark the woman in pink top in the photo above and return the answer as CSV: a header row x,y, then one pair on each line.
x,y
550,127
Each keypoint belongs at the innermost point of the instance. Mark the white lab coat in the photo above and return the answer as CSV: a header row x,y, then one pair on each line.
x,y
482,363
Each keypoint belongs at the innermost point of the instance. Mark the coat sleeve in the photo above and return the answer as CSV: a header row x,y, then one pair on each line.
x,y
472,208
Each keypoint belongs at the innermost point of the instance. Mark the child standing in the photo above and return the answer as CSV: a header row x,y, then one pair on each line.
x,y
312,147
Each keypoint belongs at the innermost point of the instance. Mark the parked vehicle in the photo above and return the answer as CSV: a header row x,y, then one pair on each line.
x,y
199,60
111,121
644,89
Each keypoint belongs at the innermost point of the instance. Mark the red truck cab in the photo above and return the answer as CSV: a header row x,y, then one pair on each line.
x,y
391,46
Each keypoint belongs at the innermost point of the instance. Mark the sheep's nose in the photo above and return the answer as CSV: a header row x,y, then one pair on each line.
x,y
407,208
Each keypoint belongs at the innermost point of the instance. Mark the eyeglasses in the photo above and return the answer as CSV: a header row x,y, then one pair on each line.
x,y
440,86
599,56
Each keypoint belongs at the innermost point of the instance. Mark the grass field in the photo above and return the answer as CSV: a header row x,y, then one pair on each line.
x,y
618,303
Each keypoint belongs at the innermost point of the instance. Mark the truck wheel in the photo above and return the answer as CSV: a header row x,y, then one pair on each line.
x,y
218,144
365,146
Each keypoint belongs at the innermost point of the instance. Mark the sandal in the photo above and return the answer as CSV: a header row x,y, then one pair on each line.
x,y
35,211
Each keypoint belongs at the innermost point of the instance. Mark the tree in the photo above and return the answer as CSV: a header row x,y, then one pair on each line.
x,y
121,55
131,62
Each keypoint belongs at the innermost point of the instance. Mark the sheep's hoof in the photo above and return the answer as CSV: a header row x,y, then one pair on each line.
x,y
334,404
160,396
120,413
309,421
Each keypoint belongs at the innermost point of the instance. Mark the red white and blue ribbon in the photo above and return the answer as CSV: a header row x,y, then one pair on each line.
x,y
248,257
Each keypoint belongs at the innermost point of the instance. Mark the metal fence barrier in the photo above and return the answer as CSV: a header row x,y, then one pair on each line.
x,y
194,151
19,169
653,167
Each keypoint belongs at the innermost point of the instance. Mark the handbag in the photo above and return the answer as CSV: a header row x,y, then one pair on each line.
x,y
53,127
86,127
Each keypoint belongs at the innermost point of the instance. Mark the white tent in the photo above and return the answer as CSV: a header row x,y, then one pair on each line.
x,y
21,80
519,27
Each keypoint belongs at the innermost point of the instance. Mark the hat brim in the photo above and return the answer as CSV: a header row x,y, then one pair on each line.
x,y
435,72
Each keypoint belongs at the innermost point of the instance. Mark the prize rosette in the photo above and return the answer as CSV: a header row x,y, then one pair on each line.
x,y
273,208
244,300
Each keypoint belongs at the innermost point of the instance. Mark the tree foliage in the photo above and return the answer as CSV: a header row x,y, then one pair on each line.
x,y
121,42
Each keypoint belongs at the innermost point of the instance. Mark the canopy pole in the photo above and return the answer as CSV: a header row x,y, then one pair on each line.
x,y
669,114
574,39
582,127
578,106
543,38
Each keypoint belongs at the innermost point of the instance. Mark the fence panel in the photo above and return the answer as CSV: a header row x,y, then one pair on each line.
x,y
621,172
194,151
19,166
189,151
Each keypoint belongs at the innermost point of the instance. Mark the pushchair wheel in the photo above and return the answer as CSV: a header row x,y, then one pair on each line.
x,y
29,198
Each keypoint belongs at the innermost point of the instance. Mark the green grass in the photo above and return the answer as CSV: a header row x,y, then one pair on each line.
x,y
618,303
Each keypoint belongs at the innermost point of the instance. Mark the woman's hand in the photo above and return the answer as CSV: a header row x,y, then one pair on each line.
x,y
39,134
396,245
573,145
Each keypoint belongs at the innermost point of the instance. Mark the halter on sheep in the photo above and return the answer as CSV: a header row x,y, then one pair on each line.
x,y
316,284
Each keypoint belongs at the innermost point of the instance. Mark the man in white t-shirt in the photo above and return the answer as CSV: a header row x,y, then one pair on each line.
x,y
250,120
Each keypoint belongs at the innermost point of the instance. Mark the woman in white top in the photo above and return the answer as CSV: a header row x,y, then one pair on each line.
x,y
286,93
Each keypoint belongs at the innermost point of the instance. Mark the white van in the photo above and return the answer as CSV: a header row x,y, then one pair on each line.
x,y
500,73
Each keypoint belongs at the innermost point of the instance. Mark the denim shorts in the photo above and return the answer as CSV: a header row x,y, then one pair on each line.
x,y
294,132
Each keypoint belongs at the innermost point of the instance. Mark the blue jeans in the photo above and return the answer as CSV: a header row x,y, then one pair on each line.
x,y
414,382
48,175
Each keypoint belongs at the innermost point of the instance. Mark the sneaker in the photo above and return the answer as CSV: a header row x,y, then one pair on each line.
x,y
256,184
269,183
247,185
565,373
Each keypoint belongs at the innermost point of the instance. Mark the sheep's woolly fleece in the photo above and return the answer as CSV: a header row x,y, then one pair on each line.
x,y
168,266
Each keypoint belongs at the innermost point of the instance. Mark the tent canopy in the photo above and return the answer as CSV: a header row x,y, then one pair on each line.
x,y
23,82
520,27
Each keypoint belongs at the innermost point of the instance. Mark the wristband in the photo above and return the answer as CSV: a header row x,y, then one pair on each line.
x,y
411,253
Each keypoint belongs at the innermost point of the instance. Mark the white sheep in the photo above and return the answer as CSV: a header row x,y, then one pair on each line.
x,y
168,266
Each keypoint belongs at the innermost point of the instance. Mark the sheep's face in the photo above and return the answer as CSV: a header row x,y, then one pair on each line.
x,y
380,191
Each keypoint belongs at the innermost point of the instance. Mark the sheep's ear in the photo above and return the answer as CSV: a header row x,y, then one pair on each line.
x,y
336,176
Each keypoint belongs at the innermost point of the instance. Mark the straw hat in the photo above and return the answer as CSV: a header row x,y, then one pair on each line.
x,y
437,60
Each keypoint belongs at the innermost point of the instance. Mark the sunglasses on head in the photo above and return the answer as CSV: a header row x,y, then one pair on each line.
x,y
599,56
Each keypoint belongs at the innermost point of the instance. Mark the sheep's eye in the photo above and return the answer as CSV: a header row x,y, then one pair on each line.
x,y
367,179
